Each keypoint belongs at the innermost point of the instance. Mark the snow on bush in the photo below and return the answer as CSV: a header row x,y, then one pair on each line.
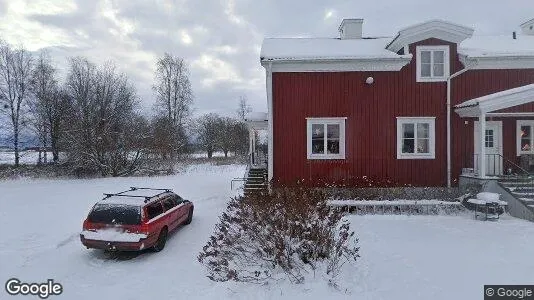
x,y
287,233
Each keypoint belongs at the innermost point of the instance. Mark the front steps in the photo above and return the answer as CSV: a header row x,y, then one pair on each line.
x,y
256,181
522,188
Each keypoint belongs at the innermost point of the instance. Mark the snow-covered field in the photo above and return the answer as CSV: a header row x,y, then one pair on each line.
x,y
402,257
26,157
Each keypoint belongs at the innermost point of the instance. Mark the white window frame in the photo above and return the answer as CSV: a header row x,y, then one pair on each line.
x,y
326,121
518,136
446,62
432,137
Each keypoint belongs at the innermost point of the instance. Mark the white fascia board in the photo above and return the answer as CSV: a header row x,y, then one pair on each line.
x,y
497,101
498,62
383,64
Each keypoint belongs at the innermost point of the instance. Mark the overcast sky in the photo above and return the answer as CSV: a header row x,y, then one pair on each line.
x,y
221,39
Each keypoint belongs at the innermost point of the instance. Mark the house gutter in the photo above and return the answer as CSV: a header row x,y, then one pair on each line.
x,y
449,79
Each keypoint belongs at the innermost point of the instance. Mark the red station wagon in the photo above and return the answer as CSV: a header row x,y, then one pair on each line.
x,y
133,220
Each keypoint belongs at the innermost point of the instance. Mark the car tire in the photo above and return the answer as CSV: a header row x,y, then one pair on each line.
x,y
162,240
189,217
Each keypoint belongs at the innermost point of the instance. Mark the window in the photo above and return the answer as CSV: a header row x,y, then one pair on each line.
x,y
525,137
416,138
154,210
169,204
326,138
432,63
177,200
489,138
115,214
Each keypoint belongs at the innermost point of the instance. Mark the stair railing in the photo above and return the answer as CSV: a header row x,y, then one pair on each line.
x,y
495,161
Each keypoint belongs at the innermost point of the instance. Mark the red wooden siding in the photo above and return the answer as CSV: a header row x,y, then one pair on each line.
x,y
371,111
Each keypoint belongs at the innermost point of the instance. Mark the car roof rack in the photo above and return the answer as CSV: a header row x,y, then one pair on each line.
x,y
133,188
147,198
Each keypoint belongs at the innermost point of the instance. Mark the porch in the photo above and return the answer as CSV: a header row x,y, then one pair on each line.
x,y
503,140
502,160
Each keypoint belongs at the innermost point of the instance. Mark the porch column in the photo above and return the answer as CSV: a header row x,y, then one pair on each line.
x,y
251,144
482,139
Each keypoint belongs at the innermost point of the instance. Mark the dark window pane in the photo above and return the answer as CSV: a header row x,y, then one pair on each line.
x,y
525,144
333,147
408,131
408,145
525,131
318,146
317,131
318,139
116,214
154,210
332,131
168,204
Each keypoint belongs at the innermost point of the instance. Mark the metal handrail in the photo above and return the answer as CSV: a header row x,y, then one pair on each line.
x,y
501,157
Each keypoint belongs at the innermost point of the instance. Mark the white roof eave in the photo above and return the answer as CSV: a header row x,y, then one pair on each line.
x,y
438,29
307,64
496,101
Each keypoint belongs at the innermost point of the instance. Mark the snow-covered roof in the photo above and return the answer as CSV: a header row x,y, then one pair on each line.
x,y
497,46
325,49
256,117
380,54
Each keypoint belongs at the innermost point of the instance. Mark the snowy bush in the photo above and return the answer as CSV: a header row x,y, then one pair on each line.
x,y
287,233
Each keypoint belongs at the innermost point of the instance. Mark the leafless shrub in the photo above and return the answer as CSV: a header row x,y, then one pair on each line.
x,y
288,233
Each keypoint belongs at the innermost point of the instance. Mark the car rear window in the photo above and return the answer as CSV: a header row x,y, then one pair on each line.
x,y
116,214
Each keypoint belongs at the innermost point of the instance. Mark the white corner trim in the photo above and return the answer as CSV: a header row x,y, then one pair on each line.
x,y
438,29
270,141
432,137
446,60
325,121
520,123
339,65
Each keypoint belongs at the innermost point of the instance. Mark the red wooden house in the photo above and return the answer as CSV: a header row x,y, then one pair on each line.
x,y
412,109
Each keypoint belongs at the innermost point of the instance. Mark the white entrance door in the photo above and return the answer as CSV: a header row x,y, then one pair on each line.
x,y
493,141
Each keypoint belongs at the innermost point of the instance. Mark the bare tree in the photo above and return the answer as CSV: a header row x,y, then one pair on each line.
x,y
208,127
44,88
244,108
225,134
106,137
173,88
15,75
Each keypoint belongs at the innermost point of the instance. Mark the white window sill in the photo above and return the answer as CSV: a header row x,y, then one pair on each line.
x,y
528,153
416,156
326,156
431,79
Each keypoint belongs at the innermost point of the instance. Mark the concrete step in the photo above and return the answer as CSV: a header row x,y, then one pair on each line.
x,y
522,190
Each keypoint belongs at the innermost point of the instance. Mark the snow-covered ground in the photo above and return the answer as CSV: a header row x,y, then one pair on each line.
x,y
215,154
26,157
402,257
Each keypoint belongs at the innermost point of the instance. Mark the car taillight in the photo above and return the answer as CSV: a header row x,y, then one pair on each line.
x,y
144,229
87,225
